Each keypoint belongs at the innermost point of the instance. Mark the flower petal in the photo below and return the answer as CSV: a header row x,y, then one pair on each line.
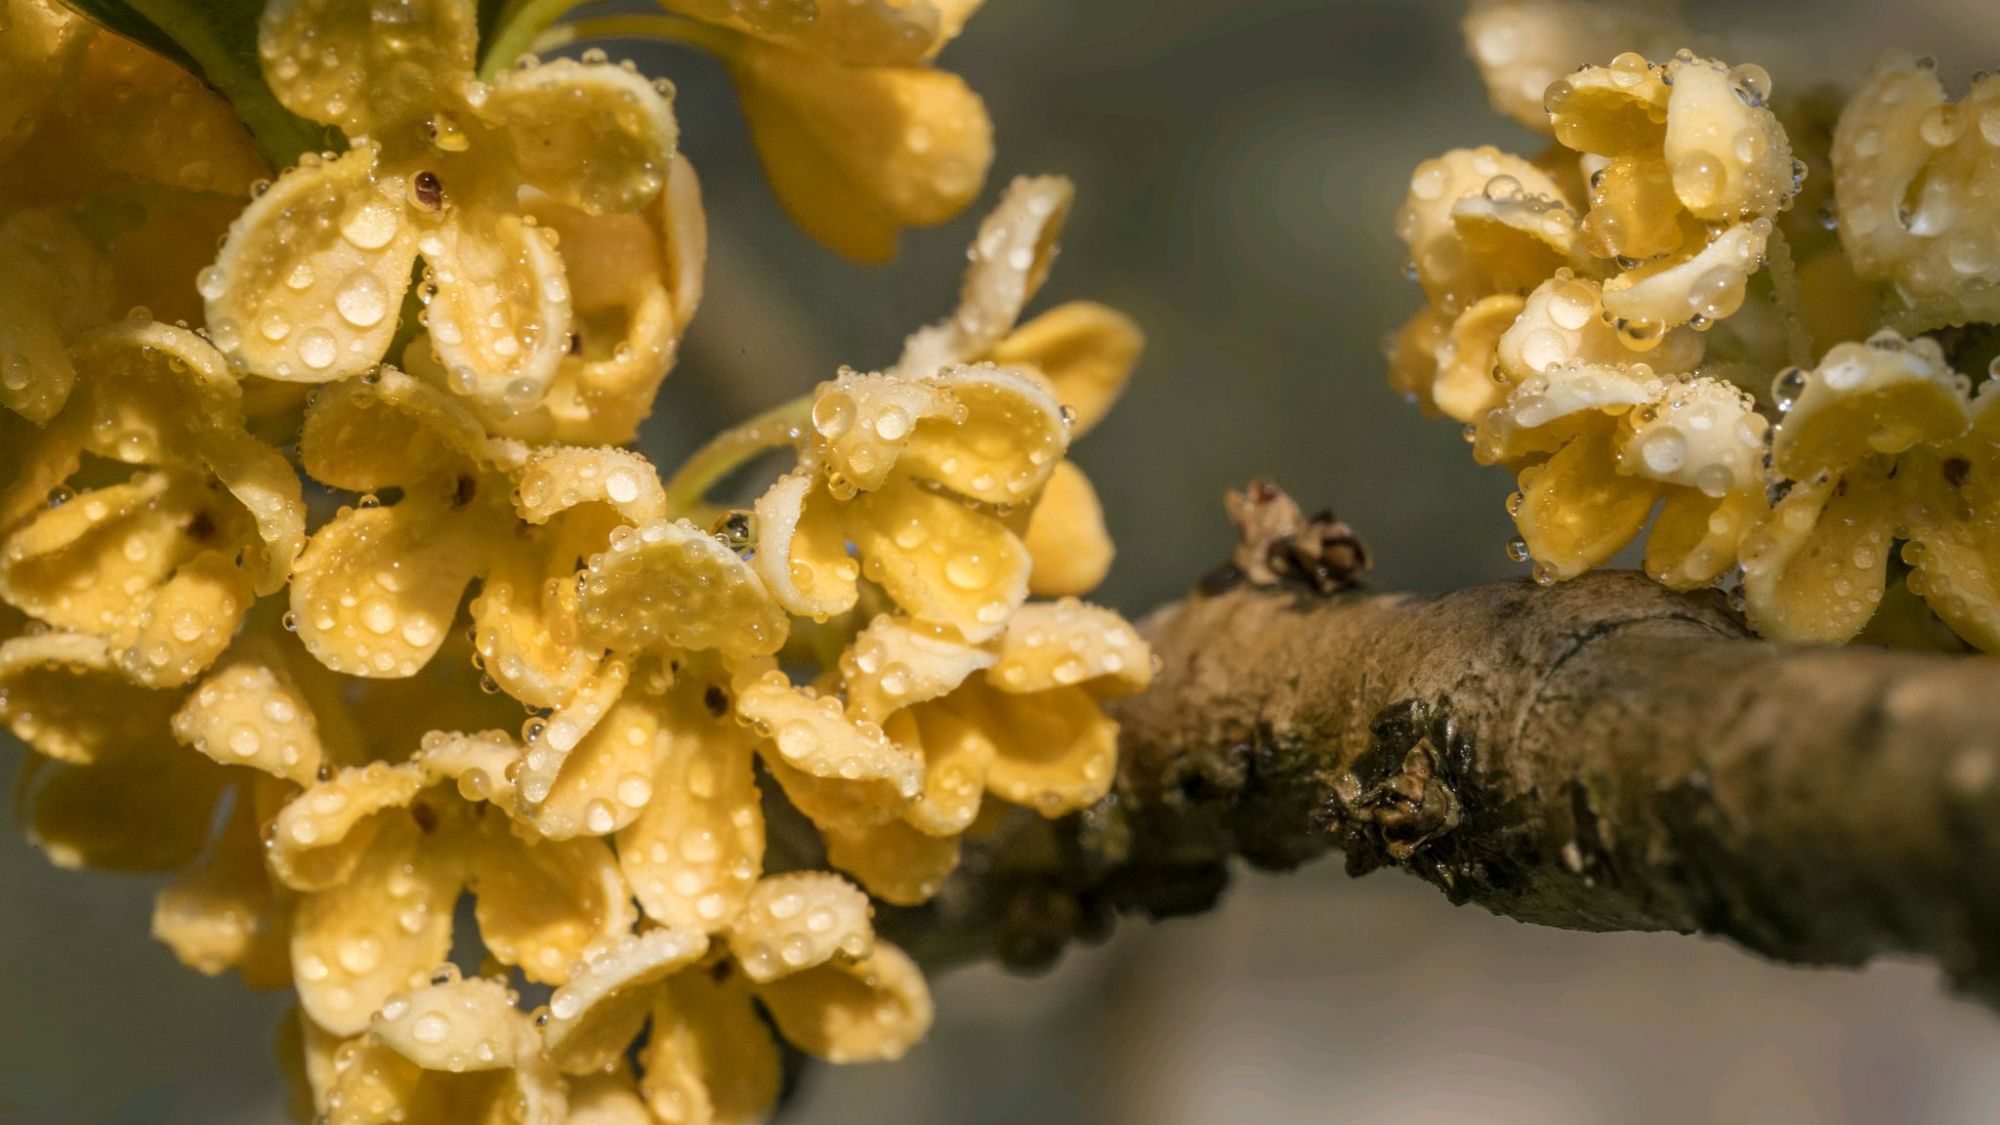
x,y
377,588
393,431
868,1011
670,583
601,785
856,155
697,845
607,1098
555,479
1066,536
153,121
461,1025
1451,274
794,922
1522,46
1884,396
1052,644
64,695
541,903
500,321
593,136
309,281
1563,323
362,940
365,66
214,914
896,663
144,810
1704,435
813,734
857,33
958,753
709,1056
595,1016
802,548
1815,567
1659,297
1085,350
1696,537
1010,258
941,560
1729,155
1469,382
1056,751
865,421
999,446
324,833
248,712
580,714
1954,549
897,863
1577,510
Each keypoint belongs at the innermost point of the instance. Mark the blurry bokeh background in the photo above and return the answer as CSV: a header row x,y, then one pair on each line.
x,y
1237,163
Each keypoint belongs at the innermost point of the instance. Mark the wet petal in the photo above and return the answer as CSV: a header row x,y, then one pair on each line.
x,y
1704,435
500,322
1469,383
1010,258
859,33
709,1057
1695,539
362,436
1728,154
547,755
596,137
942,561
541,903
794,922
1085,350
325,832
958,752
146,810
248,711
607,1099
365,66
309,281
864,423
601,785
697,844
1563,323
868,1011
802,548
1709,284
670,583
1052,644
595,1016
153,121
1954,497
377,588
897,863
999,446
1066,536
856,155
896,663
525,619
1884,396
1452,275
1915,178
1578,510
814,734
1814,568
1055,751
362,940
63,695
461,1025
1522,46
555,479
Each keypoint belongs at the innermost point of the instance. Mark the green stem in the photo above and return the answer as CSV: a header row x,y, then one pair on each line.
x,y
779,426
521,23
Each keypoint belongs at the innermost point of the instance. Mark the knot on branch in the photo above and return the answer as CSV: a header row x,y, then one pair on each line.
x,y
1279,544
1403,791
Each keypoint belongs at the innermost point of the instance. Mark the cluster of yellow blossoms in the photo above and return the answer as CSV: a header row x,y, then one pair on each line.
x,y
306,697
1655,321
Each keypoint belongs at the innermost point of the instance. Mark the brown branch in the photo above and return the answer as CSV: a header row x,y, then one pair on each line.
x,y
1603,755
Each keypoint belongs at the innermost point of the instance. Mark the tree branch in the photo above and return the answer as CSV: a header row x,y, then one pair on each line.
x,y
1602,755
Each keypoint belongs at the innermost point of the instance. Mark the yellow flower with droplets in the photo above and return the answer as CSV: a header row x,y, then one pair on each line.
x,y
450,1049
1522,46
1596,447
1694,170
1915,180
379,585
1881,444
164,564
308,285
1019,718
802,948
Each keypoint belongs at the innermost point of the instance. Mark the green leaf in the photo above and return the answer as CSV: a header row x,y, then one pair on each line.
x,y
217,41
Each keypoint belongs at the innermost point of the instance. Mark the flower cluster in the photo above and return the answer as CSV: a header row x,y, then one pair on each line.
x,y
481,680
1653,321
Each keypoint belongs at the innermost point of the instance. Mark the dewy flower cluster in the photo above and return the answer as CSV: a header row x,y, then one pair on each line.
x,y
304,694
1750,322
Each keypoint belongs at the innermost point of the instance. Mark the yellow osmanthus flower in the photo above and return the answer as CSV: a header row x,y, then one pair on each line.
x,y
1597,447
1883,444
1523,46
308,285
164,564
802,947
1916,178
859,136
1695,170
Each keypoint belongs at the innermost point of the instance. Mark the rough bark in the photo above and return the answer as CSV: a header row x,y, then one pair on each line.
x,y
1602,755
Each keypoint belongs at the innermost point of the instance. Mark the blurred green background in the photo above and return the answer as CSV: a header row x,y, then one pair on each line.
x,y
1237,162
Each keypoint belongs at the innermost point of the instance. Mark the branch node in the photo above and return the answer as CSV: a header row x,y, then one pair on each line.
x,y
1280,545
